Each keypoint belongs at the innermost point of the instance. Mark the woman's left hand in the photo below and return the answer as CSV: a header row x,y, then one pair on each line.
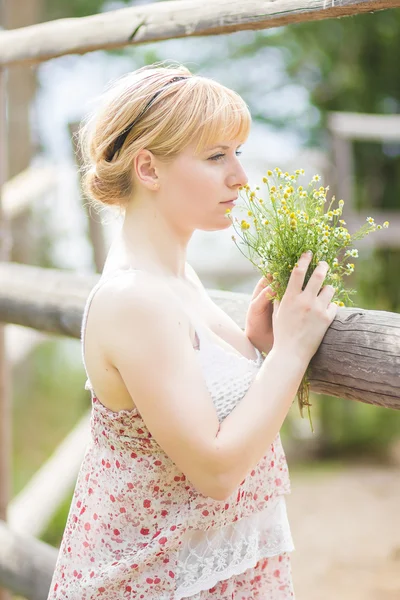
x,y
258,327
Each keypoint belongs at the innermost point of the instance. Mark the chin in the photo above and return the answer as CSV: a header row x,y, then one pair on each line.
x,y
226,223
214,223
223,224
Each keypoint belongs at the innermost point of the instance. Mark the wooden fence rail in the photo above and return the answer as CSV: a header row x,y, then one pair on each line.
x,y
359,358
166,20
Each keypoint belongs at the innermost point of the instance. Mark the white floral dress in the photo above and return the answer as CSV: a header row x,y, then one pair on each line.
x,y
138,529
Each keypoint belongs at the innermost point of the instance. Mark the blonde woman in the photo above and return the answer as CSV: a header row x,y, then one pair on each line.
x,y
181,493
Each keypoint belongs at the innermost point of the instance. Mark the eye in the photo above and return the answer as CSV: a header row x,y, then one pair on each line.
x,y
219,156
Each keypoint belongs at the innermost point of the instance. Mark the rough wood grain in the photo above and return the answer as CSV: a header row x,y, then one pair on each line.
x,y
166,20
358,359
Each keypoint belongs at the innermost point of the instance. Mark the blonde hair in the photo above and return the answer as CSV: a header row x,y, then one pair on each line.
x,y
195,108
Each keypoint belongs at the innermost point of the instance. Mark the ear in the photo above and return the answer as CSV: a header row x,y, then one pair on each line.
x,y
145,169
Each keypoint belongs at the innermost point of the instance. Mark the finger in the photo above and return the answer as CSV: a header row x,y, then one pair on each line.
x,y
296,280
317,279
263,301
326,294
261,285
268,294
332,311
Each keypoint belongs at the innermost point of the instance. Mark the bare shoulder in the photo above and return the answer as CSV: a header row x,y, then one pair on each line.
x,y
191,273
137,295
195,280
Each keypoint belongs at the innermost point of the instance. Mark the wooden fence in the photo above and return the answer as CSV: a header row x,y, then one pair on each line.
x,y
359,357
167,20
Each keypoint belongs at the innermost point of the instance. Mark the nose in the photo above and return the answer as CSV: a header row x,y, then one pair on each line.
x,y
239,178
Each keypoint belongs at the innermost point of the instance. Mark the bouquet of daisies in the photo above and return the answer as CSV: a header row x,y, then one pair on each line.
x,y
291,220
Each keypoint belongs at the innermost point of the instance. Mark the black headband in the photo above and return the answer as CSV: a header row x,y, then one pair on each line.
x,y
118,142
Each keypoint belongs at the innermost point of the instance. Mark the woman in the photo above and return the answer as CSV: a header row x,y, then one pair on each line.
x,y
181,493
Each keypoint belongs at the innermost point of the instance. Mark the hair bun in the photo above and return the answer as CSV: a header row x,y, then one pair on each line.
x,y
104,183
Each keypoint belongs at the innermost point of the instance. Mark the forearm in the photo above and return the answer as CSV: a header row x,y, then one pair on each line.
x,y
248,431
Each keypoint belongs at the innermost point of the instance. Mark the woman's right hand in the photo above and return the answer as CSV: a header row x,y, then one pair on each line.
x,y
302,317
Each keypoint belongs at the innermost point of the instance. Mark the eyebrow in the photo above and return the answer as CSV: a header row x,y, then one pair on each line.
x,y
223,147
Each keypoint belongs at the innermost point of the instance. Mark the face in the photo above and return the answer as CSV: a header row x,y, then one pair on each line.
x,y
193,188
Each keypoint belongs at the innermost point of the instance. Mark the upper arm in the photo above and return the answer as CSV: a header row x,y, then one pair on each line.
x,y
148,342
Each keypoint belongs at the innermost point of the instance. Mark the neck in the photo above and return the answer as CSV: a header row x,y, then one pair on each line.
x,y
149,240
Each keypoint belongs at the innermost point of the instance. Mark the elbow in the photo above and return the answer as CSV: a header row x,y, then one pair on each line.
x,y
216,493
218,478
221,489
220,495
215,487
222,485
215,490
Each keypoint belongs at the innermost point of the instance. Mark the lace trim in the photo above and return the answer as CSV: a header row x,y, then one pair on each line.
x,y
208,557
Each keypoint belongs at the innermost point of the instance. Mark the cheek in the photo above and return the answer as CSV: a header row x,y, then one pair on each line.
x,y
210,183
198,187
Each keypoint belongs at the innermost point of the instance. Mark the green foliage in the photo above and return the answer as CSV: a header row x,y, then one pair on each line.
x,y
295,220
348,64
345,64
377,280
290,221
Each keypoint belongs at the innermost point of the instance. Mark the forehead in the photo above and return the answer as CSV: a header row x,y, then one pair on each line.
x,y
235,144
223,119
